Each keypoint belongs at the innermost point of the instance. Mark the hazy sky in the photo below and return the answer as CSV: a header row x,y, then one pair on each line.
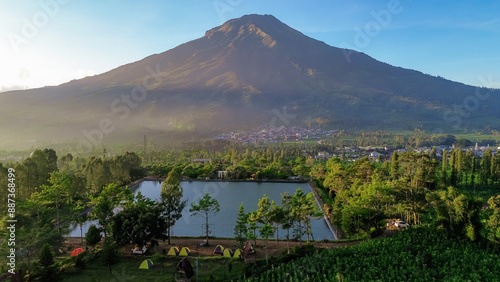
x,y
48,42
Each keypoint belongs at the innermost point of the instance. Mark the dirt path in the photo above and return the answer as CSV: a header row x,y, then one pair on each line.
x,y
275,248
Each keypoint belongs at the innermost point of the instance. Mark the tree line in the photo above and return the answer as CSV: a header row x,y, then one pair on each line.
x,y
52,192
295,212
415,187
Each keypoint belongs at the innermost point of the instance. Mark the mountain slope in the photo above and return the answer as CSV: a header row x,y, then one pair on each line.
x,y
248,71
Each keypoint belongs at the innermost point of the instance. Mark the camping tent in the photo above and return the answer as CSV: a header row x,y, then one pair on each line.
x,y
76,252
173,251
228,253
185,252
146,264
237,253
219,250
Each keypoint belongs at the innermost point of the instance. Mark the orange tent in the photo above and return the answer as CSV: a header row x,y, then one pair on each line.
x,y
76,252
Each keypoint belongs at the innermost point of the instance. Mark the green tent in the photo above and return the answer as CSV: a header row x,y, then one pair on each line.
x,y
228,253
146,264
237,253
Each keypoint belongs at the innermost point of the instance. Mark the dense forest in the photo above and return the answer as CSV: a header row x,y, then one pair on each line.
x,y
454,190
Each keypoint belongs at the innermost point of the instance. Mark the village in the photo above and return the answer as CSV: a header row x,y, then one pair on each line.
x,y
267,134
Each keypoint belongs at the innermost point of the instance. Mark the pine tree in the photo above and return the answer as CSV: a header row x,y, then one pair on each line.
x,y
47,270
445,166
485,166
110,253
453,167
241,229
433,154
394,165
171,201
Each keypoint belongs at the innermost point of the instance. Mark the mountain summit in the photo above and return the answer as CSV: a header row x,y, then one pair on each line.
x,y
247,72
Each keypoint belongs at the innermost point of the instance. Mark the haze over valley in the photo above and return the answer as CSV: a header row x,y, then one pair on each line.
x,y
250,71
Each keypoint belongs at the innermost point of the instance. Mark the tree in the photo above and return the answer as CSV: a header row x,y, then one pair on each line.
x,y
93,236
97,173
394,165
457,213
105,203
57,192
139,222
266,231
241,229
110,254
493,223
252,225
453,167
38,203
277,215
417,177
485,166
171,201
303,208
265,217
206,208
79,217
47,269
44,162
287,219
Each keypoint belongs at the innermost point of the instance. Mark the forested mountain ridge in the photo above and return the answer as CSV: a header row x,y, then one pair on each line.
x,y
239,75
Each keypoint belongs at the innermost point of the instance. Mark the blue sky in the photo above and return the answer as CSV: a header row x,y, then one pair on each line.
x,y
48,42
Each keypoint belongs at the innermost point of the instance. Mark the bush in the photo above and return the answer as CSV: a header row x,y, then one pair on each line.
x,y
46,269
93,236
157,258
304,250
80,260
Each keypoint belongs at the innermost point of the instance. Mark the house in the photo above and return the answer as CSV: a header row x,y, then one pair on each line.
x,y
323,155
221,174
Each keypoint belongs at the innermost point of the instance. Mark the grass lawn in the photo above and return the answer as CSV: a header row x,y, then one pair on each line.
x,y
128,270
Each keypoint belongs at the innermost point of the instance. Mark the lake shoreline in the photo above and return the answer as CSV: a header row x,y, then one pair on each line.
x,y
156,178
231,194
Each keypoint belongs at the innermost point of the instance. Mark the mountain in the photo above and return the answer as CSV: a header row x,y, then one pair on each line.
x,y
249,71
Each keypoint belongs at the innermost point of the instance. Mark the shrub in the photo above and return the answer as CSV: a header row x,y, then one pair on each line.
x,y
93,236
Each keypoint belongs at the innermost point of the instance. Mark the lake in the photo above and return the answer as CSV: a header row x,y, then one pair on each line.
x,y
229,195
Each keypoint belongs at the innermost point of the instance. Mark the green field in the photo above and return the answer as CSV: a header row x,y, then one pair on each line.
x,y
210,269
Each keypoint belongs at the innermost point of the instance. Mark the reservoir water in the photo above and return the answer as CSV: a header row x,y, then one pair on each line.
x,y
229,195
